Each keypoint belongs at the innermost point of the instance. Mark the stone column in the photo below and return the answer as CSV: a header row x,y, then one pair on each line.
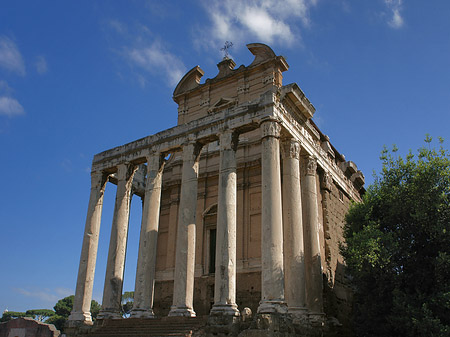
x,y
294,259
272,275
146,264
112,292
225,273
314,283
83,294
183,291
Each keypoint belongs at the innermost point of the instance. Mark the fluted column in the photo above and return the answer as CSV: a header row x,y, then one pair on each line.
x,y
272,275
225,273
294,259
83,294
112,292
146,265
183,291
314,283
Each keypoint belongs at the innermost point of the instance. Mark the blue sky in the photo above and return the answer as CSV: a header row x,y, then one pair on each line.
x,y
80,77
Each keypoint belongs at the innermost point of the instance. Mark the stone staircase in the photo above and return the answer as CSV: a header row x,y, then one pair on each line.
x,y
156,327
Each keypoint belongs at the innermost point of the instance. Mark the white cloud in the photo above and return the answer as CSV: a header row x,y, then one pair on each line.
x,y
10,57
63,292
118,26
268,21
395,7
41,65
155,59
10,107
44,294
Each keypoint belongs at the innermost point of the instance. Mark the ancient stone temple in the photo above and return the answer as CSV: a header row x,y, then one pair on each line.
x,y
243,206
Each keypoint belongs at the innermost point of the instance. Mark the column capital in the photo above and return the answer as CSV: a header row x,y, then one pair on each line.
x,y
194,150
290,148
98,179
311,165
327,181
270,128
228,140
155,163
126,170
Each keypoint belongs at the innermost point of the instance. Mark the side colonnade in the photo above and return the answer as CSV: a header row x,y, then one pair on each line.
x,y
291,271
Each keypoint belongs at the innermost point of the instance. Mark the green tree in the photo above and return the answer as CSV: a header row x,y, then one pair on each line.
x,y
40,314
397,247
63,309
9,315
127,303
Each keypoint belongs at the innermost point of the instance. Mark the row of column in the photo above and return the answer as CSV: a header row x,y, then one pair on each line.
x,y
298,270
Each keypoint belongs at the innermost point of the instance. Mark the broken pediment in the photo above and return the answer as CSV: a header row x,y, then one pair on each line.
x,y
189,81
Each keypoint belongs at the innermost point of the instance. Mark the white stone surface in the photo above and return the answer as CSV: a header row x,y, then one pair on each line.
x,y
294,257
314,282
146,265
272,274
83,294
183,292
225,273
112,292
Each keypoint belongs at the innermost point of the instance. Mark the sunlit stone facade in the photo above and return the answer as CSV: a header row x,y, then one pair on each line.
x,y
243,205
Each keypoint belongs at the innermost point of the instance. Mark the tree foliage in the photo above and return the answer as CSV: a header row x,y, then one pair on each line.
x,y
9,315
40,315
398,247
63,308
127,303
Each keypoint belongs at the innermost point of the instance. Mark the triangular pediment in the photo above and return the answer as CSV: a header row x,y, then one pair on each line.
x,y
222,103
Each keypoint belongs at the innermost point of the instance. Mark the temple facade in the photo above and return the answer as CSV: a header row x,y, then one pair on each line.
x,y
243,205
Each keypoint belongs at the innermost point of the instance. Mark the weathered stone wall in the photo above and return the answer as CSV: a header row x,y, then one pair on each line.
x,y
337,291
27,327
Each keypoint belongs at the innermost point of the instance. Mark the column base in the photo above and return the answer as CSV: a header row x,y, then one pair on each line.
x,y
80,318
142,313
224,310
109,314
272,306
181,312
298,312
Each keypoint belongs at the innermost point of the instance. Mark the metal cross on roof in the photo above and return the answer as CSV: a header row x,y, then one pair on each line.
x,y
225,48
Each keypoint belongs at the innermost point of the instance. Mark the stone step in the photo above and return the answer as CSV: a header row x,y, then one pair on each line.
x,y
167,326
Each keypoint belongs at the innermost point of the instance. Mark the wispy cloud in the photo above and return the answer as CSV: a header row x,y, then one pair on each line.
x,y
10,56
41,65
157,60
144,52
268,21
46,295
10,107
395,16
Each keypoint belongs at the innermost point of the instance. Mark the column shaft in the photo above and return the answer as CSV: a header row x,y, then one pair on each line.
x,y
272,274
83,294
183,292
294,259
225,273
314,282
112,292
146,265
